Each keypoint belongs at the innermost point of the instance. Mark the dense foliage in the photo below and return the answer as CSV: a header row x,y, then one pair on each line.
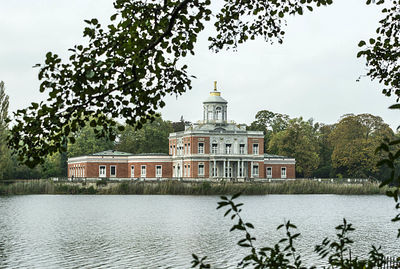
x,y
152,137
344,149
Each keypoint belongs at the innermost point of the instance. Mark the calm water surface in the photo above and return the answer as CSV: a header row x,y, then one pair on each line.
x,y
50,231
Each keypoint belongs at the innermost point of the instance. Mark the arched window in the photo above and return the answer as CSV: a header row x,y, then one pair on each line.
x,y
218,113
210,115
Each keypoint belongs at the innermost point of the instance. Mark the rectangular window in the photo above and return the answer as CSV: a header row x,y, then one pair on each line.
x,y
102,171
255,148
170,150
241,149
228,148
283,172
188,172
185,149
143,171
188,151
174,151
132,171
158,171
269,172
201,148
201,169
255,170
214,148
113,171
228,171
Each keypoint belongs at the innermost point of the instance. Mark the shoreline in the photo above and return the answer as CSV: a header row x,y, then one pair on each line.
x,y
189,188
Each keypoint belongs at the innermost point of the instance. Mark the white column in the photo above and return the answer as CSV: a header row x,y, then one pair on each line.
x,y
229,168
215,168
251,169
224,174
182,168
238,169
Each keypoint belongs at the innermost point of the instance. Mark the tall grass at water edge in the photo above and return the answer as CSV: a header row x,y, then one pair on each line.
x,y
189,188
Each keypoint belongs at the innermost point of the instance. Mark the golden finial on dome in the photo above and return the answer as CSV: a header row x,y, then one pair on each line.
x,y
215,92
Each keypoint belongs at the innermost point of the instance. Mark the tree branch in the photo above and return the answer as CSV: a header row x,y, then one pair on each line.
x,y
167,31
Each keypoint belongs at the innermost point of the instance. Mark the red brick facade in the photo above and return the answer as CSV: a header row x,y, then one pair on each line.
x,y
277,170
195,169
166,169
259,141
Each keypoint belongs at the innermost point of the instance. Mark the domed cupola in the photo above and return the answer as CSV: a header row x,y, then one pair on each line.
x,y
215,107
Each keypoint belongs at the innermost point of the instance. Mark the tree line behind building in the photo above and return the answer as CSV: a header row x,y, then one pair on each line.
x,y
344,149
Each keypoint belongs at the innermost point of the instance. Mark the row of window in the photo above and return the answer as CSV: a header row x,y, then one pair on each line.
x,y
103,171
179,150
143,171
77,171
113,171
228,148
228,170
80,171
269,172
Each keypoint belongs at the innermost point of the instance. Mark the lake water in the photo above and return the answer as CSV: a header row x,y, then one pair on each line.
x,y
55,231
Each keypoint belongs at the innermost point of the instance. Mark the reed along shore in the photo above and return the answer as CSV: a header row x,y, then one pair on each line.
x,y
189,188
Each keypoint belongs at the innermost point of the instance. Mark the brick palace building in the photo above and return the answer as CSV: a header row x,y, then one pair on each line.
x,y
213,148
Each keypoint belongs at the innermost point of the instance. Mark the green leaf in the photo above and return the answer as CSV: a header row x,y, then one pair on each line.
x,y
236,195
361,43
395,106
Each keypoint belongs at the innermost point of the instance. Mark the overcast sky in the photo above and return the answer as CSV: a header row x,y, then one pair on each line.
x,y
313,74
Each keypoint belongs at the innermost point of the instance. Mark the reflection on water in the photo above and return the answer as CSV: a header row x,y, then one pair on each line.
x,y
163,231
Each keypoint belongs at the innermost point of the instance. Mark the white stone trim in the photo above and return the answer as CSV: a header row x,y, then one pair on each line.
x,y
144,158
115,171
96,159
279,161
266,172
141,170
283,169
132,171
158,175
105,170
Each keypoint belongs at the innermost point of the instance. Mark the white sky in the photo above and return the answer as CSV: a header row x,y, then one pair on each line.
x,y
313,74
